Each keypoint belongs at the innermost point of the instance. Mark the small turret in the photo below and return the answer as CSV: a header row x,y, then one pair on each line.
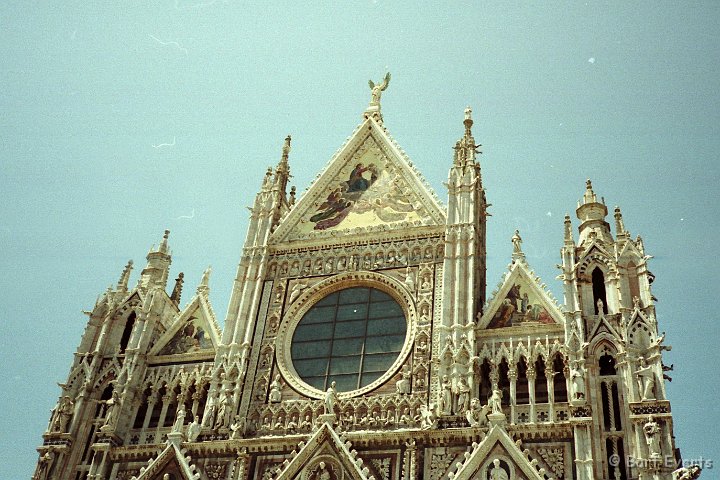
x,y
158,265
592,216
620,231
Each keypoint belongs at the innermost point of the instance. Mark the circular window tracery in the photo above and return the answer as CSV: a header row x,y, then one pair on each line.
x,y
351,336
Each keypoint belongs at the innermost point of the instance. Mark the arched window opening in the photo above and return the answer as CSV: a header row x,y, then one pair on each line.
x,y
559,384
541,391
598,283
504,380
485,384
172,407
616,407
614,450
155,415
607,365
142,410
125,339
201,401
605,395
522,391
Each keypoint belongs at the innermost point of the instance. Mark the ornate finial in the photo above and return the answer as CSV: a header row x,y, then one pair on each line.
x,y
125,276
177,290
376,90
619,224
517,246
468,113
588,184
164,243
568,229
589,196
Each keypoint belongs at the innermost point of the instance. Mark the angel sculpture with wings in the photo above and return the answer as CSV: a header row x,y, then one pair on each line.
x,y
376,90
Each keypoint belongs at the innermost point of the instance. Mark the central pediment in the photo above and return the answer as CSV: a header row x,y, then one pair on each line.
x,y
368,186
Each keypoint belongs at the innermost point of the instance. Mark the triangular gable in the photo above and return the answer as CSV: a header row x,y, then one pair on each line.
x,y
595,248
194,330
324,445
171,460
370,182
496,445
602,325
520,301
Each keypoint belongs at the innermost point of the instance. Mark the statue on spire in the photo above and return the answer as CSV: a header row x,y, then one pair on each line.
x,y
376,90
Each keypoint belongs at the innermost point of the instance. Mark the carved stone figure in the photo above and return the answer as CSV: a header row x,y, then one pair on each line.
x,y
446,396
577,376
651,429
330,399
497,472
377,89
690,473
410,280
113,406
600,306
223,410
428,419
517,242
646,380
403,385
44,465
476,414
179,419
62,415
463,399
193,430
209,415
275,390
296,291
495,402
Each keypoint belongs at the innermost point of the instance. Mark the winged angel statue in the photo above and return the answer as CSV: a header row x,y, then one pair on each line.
x,y
376,90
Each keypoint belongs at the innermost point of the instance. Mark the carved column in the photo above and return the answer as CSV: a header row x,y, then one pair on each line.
x,y
512,375
531,375
549,370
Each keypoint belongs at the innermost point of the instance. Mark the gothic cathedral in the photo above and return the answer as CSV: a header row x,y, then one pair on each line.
x,y
360,343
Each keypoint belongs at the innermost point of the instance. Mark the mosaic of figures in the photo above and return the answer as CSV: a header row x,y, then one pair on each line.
x,y
520,306
373,257
368,190
191,337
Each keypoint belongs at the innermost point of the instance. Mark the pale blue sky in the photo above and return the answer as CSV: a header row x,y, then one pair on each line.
x,y
622,92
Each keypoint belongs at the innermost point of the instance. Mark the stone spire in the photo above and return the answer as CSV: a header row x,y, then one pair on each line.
x,y
592,213
620,231
568,231
465,148
125,276
177,290
282,171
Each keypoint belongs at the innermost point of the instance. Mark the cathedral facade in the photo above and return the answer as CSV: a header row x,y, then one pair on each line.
x,y
361,343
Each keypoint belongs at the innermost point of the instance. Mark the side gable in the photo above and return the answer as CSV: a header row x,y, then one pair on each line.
x,y
497,450
324,450
194,331
520,301
368,184
170,461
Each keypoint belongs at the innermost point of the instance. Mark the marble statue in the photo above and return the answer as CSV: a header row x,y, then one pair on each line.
x,y
651,429
495,402
428,419
275,390
377,89
577,377
446,398
497,472
330,399
646,380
